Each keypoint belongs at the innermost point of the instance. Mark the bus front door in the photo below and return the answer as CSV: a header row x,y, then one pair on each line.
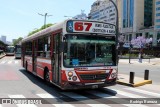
x,y
56,59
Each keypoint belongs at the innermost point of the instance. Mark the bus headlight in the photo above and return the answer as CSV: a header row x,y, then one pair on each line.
x,y
70,74
74,78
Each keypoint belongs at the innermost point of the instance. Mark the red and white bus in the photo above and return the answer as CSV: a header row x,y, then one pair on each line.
x,y
73,54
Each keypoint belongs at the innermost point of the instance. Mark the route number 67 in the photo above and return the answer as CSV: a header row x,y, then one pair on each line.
x,y
80,26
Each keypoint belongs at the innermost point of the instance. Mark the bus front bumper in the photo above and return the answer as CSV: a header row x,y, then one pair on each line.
x,y
74,86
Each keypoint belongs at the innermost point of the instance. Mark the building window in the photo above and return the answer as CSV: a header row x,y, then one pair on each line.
x,y
148,13
157,20
158,2
131,15
158,26
157,14
125,13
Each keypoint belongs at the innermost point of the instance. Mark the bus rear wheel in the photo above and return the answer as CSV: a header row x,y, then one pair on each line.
x,y
46,76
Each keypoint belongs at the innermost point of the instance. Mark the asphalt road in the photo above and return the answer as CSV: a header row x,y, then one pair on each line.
x,y
15,82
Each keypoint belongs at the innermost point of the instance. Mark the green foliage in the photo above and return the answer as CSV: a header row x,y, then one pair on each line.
x,y
37,30
17,41
1,43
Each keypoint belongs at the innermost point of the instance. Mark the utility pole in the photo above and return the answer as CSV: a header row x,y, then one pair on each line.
x,y
45,15
117,27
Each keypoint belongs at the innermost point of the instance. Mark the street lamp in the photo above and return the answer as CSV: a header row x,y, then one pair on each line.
x,y
45,15
117,26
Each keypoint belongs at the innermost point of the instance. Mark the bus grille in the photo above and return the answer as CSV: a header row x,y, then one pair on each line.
x,y
93,76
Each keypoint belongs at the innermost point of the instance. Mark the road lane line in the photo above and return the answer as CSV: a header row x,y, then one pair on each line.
x,y
104,95
9,62
46,95
130,95
16,62
75,96
144,92
3,62
21,105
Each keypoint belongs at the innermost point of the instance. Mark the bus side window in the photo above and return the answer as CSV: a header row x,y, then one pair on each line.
x,y
44,47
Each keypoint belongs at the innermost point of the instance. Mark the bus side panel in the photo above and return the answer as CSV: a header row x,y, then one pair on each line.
x,y
29,68
40,71
28,63
43,63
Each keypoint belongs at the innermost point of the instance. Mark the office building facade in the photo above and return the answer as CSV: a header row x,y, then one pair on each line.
x,y
138,19
3,39
104,10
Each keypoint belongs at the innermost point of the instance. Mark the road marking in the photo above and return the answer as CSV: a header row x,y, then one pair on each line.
x,y
16,62
128,94
22,105
104,95
75,96
0,105
9,62
46,95
3,62
144,92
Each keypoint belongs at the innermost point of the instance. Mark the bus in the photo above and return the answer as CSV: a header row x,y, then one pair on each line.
x,y
17,51
73,54
10,50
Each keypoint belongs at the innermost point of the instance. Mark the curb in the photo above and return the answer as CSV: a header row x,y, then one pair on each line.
x,y
135,84
2,56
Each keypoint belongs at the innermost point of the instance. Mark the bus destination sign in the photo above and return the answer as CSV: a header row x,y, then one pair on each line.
x,y
90,27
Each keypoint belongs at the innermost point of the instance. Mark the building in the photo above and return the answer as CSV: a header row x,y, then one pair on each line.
x,y
82,16
104,10
3,39
138,19
157,19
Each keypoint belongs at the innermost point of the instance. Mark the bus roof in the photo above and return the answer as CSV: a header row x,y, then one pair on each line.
x,y
55,27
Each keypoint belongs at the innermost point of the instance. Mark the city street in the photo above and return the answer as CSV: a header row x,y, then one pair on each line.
x,y
15,82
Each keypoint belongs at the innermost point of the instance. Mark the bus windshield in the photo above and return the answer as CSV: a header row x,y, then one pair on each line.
x,y
10,49
89,50
18,49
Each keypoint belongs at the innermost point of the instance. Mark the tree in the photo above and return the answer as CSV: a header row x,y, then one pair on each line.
x,y
17,41
37,30
141,42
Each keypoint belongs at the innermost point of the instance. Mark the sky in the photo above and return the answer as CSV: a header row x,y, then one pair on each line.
x,y
19,17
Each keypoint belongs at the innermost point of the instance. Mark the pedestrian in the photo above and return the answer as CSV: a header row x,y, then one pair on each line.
x,y
140,57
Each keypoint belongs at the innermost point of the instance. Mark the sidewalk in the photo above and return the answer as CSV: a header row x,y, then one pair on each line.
x,y
2,55
153,61
123,79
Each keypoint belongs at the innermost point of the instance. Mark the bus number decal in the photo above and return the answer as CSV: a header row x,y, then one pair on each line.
x,y
79,26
